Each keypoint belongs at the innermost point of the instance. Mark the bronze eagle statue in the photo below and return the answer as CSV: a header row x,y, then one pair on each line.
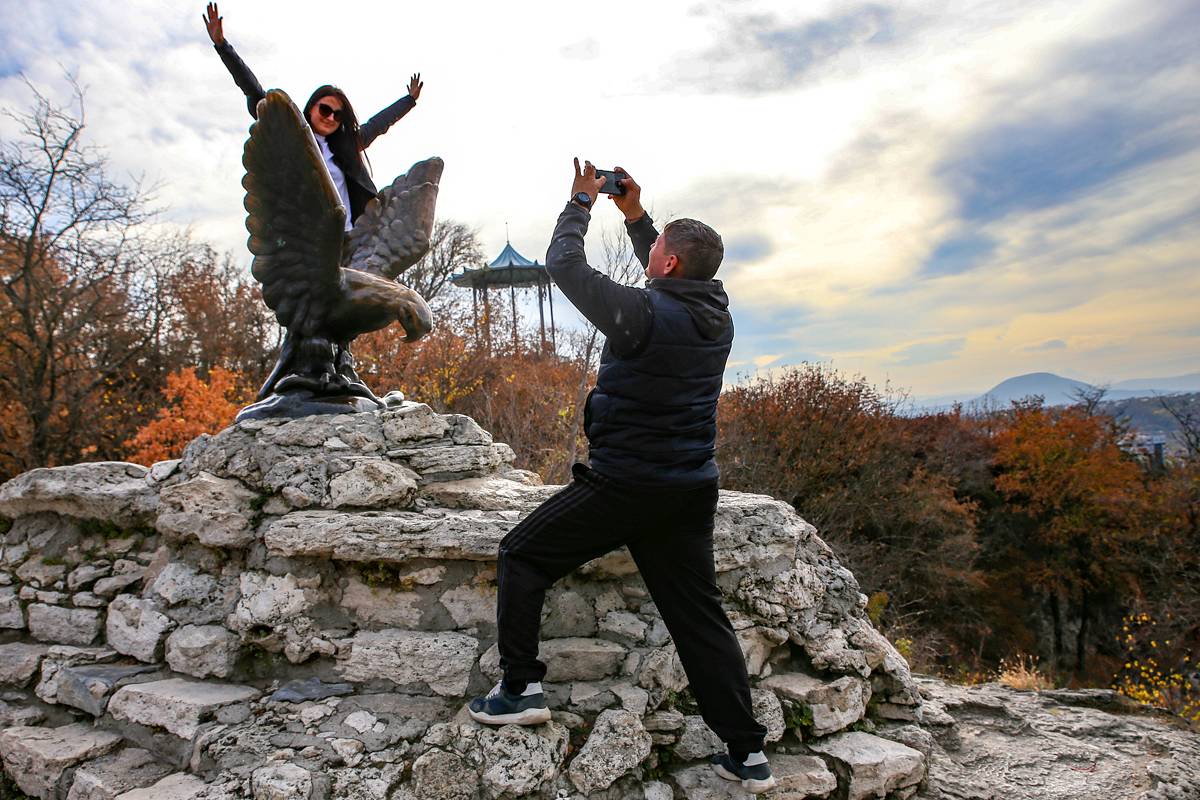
x,y
327,286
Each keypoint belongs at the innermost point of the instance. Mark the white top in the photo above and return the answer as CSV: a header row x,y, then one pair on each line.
x,y
339,180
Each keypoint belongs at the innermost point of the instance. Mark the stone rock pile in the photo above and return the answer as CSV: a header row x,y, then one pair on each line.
x,y
298,609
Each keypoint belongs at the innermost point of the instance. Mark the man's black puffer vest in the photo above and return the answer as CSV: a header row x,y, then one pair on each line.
x,y
652,418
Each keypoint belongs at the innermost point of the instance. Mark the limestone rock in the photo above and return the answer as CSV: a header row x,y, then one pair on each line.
x,y
591,697
471,606
1021,745
462,460
443,661
870,766
835,704
567,613
518,760
662,671
657,790
19,662
203,650
12,616
287,782
64,625
667,719
756,648
441,775
412,422
136,628
348,750
699,782
579,659
507,762
161,470
617,744
12,715
108,490
36,758
696,740
12,555
382,605
190,596
373,483
178,786
270,600
217,512
615,564
493,493
625,625
297,691
801,777
754,530
633,698
108,776
176,705
85,575
115,584
40,573
769,712
59,657
388,536
86,686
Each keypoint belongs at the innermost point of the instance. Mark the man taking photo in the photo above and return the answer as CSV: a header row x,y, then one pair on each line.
x,y
651,423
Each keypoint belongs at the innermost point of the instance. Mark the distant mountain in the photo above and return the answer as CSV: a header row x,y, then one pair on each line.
x,y
1054,389
1057,390
1180,383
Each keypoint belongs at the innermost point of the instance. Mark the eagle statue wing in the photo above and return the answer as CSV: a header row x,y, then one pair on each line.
x,y
294,217
394,229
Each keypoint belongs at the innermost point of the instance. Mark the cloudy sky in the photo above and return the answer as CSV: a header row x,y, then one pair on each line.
x,y
936,194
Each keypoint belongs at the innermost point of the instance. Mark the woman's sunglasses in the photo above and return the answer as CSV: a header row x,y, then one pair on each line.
x,y
326,110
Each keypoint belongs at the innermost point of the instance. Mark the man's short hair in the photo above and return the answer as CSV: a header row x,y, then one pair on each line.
x,y
698,247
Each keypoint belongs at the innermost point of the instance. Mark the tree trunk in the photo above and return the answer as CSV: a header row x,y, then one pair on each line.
x,y
1081,637
1056,617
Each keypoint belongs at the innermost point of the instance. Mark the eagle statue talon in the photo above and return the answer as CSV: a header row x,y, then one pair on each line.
x,y
324,285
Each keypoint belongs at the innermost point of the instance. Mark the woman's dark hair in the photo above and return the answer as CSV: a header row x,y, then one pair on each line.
x,y
343,142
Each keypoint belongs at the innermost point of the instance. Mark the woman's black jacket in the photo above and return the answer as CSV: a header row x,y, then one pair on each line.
x,y
358,182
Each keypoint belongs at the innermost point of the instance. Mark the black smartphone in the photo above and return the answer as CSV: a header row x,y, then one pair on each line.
x,y
611,186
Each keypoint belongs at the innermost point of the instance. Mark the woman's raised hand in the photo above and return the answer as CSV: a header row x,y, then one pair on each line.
x,y
212,21
415,85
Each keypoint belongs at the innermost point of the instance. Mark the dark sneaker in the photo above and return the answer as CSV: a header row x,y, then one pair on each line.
x,y
754,774
501,707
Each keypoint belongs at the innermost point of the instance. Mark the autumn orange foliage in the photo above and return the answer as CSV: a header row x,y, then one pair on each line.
x,y
194,406
1080,503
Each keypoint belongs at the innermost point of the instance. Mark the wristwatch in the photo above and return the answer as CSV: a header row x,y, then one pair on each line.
x,y
582,198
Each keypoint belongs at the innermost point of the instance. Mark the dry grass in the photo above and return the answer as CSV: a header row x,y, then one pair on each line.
x,y
1021,672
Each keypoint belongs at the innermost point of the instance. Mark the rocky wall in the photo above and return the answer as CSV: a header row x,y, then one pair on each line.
x,y
300,608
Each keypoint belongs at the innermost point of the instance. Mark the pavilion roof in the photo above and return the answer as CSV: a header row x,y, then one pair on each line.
x,y
510,268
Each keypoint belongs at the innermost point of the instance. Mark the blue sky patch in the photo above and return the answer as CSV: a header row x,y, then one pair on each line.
x,y
1037,163
801,47
742,249
958,254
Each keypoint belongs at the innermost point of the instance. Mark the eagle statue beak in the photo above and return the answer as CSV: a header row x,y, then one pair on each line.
x,y
415,317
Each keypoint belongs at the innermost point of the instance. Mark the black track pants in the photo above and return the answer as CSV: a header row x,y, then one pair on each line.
x,y
669,535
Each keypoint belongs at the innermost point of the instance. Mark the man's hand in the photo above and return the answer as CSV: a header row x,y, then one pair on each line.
x,y
212,21
415,85
586,180
630,203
